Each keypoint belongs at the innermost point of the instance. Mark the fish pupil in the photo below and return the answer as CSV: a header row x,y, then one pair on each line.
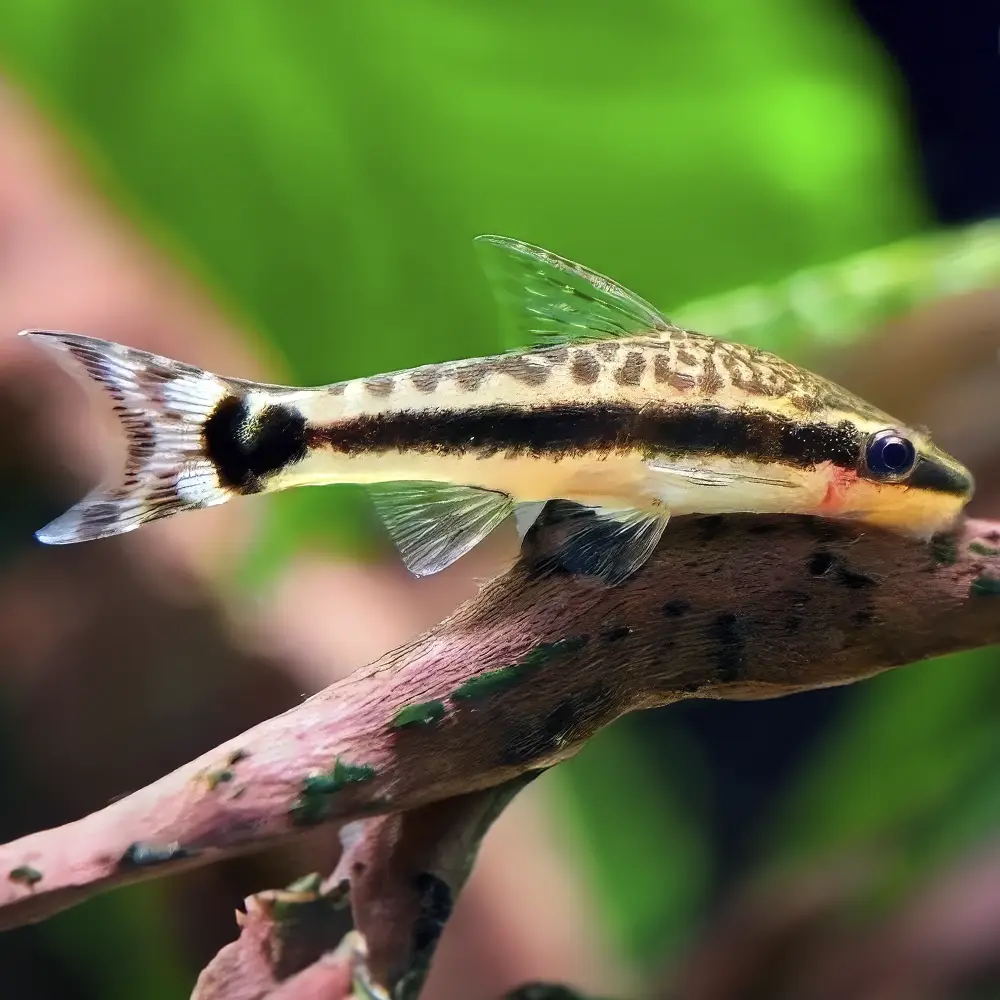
x,y
890,456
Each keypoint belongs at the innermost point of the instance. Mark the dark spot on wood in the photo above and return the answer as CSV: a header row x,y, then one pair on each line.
x,y
556,355
425,379
853,580
728,637
632,370
584,369
825,564
686,358
380,385
616,633
607,349
820,563
436,904
675,608
528,739
337,389
246,448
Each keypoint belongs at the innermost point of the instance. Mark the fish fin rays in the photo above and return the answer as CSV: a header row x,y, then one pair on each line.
x,y
695,476
548,300
525,515
434,524
608,543
162,407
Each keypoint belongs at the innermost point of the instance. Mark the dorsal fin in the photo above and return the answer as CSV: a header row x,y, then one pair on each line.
x,y
546,299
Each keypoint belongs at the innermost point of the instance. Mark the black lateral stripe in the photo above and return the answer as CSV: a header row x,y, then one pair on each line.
x,y
559,431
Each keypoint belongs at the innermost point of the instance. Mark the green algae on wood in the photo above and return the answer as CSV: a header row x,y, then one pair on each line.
x,y
985,586
495,681
310,883
225,773
25,874
315,800
215,778
944,549
981,548
424,713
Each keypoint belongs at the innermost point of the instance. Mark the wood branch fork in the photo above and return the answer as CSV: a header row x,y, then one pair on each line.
x,y
412,756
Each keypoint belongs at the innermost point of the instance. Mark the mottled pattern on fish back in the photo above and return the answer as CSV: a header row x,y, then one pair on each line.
x,y
669,366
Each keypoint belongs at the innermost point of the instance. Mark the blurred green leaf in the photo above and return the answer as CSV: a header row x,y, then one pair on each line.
x,y
839,303
649,860
911,774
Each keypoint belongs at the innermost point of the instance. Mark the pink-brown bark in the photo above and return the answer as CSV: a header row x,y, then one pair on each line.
x,y
519,678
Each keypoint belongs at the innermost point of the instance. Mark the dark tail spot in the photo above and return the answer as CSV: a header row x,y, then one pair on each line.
x,y
728,635
246,448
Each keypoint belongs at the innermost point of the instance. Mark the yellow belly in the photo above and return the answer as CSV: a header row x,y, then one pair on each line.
x,y
609,480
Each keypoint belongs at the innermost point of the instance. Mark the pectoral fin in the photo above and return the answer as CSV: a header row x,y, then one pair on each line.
x,y
433,524
525,515
607,543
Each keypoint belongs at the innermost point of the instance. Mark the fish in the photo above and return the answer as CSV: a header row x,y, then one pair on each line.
x,y
610,412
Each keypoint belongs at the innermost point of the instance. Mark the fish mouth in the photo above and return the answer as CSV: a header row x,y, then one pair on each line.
x,y
942,475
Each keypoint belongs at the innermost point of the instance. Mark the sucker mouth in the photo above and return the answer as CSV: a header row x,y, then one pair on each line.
x,y
941,477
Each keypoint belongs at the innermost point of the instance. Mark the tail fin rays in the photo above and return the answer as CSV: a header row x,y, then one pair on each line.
x,y
162,406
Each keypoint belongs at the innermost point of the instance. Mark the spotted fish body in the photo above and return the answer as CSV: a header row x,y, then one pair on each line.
x,y
614,409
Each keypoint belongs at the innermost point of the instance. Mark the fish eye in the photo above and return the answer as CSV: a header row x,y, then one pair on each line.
x,y
890,456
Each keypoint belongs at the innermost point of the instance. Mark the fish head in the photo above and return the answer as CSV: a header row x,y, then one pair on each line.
x,y
902,481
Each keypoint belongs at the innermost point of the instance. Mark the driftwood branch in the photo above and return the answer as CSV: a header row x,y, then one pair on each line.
x,y
518,679
401,873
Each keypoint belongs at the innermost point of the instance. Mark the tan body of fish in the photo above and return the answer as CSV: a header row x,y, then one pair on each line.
x,y
615,409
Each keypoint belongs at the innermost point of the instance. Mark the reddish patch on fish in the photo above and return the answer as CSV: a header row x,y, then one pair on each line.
x,y
837,489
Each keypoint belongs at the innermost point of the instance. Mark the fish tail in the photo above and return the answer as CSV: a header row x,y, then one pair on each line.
x,y
166,409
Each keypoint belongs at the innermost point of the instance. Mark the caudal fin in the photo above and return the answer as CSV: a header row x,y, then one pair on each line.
x,y
162,406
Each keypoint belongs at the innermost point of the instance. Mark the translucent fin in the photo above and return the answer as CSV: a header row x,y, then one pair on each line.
x,y
162,406
717,477
525,515
549,300
433,524
607,543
